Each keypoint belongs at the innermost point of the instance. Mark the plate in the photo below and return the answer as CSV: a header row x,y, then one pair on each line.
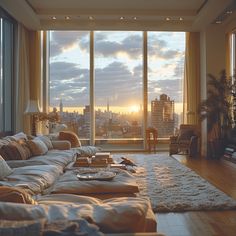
x,y
100,175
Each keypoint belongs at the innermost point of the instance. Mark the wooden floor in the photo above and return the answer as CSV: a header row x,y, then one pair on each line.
x,y
220,173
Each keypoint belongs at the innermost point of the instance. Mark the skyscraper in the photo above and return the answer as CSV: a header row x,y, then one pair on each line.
x,y
162,115
61,107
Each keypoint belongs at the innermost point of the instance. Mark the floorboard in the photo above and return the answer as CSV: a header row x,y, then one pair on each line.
x,y
220,173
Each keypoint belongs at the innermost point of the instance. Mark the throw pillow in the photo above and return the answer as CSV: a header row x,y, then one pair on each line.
x,y
22,150
20,135
17,195
10,152
5,170
71,137
47,141
37,147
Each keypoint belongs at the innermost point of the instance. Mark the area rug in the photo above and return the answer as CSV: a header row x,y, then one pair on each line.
x,y
174,187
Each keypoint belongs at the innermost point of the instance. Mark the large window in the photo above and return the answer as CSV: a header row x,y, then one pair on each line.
x,y
6,72
165,75
69,80
118,85
111,111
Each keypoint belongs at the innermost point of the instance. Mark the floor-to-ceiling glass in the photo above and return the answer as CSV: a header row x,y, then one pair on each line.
x,y
69,81
166,53
118,60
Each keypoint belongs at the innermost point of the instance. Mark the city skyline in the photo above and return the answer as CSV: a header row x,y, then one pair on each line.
x,y
118,72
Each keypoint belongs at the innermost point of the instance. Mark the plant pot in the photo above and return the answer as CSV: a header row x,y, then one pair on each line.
x,y
216,148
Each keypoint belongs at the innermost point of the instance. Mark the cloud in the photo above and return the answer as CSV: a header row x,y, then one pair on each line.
x,y
131,46
114,82
64,40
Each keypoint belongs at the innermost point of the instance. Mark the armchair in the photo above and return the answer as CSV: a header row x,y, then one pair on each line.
x,y
186,142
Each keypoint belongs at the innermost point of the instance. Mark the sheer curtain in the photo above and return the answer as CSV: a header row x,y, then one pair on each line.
x,y
28,73
191,98
22,82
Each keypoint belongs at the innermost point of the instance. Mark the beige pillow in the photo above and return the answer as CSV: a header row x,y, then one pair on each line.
x,y
10,152
37,147
17,195
47,141
71,137
5,170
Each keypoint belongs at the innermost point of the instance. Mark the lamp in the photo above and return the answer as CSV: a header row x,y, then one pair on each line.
x,y
33,109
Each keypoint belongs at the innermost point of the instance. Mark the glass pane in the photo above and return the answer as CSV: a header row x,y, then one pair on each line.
x,y
69,81
118,86
166,52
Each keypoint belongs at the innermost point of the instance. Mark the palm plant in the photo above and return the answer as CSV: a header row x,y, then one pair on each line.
x,y
217,107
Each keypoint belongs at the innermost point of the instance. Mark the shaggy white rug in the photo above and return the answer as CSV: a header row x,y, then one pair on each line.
x,y
172,186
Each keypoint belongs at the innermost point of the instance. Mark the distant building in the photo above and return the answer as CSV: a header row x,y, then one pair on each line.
x,y
86,113
61,107
162,116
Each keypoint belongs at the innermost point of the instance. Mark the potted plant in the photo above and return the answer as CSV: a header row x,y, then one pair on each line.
x,y
216,108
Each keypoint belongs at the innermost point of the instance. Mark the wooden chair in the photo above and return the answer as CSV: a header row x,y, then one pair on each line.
x,y
151,138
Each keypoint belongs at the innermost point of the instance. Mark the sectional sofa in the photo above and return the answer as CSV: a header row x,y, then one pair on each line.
x,y
42,170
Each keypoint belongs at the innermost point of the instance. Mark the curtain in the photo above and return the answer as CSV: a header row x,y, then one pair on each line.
x,y
227,56
191,97
22,83
28,74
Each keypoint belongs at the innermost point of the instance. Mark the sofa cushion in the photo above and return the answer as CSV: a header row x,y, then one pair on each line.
x,y
46,141
37,147
70,136
17,195
34,178
21,228
53,157
111,216
5,170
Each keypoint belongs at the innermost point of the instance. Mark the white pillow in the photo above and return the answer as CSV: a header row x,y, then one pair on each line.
x,y
47,141
5,170
37,147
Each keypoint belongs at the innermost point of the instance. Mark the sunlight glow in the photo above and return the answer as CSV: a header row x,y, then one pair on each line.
x,y
134,108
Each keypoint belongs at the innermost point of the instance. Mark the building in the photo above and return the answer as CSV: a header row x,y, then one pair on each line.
x,y
162,116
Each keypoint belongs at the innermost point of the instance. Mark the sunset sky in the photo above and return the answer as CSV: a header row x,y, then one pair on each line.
x,y
118,68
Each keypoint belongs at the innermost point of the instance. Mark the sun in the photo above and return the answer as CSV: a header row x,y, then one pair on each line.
x,y
134,108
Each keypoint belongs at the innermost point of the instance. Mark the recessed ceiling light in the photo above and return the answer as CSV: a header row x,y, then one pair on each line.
x,y
218,22
229,12
54,18
91,18
167,18
181,18
122,18
135,18
67,17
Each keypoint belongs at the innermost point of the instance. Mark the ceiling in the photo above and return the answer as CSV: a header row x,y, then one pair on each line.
x,y
186,15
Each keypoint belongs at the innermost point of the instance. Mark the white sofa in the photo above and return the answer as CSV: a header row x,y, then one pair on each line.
x,y
46,174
